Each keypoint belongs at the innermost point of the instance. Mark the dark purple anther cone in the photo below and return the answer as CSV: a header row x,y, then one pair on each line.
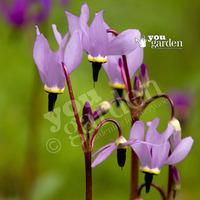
x,y
96,66
52,97
148,180
121,156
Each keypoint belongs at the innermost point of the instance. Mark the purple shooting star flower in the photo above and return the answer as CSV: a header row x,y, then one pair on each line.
x,y
104,152
49,63
155,154
114,69
97,42
18,12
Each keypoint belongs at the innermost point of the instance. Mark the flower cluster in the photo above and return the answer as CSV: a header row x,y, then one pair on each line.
x,y
121,58
100,46
153,149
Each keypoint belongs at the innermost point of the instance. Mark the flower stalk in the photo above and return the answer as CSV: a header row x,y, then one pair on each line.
x,y
160,190
88,172
71,94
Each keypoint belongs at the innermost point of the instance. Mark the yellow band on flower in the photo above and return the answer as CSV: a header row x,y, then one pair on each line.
x,y
53,89
152,171
117,85
98,59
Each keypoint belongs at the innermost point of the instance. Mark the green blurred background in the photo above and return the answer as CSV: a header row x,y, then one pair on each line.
x,y
31,165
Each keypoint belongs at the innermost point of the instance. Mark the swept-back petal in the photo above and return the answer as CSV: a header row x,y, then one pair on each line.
x,y
137,131
180,152
124,43
143,153
159,154
73,22
167,133
84,17
102,149
73,52
48,64
104,154
113,70
152,135
98,36
134,60
57,34
41,48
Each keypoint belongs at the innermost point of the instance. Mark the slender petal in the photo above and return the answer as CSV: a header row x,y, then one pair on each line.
x,y
98,36
103,155
41,46
137,131
180,152
134,60
143,153
73,52
152,135
167,133
102,149
159,154
124,43
113,70
84,17
48,64
73,22
57,34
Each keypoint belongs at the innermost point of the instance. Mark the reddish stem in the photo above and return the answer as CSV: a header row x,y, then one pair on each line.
x,y
134,175
161,96
88,173
128,80
134,159
71,94
96,131
170,182
160,190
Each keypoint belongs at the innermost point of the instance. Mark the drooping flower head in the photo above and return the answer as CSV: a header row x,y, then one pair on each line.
x,y
97,42
115,70
155,153
104,152
49,63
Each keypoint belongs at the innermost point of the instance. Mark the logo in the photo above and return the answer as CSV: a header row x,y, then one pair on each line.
x,y
159,42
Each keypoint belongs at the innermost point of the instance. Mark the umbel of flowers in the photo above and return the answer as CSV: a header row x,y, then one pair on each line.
x,y
122,59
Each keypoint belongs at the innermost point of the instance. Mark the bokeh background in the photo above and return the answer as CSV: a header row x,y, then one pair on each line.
x,y
33,168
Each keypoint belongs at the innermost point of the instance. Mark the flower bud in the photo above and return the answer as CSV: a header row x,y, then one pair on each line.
x,y
138,88
176,178
87,116
144,74
102,109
